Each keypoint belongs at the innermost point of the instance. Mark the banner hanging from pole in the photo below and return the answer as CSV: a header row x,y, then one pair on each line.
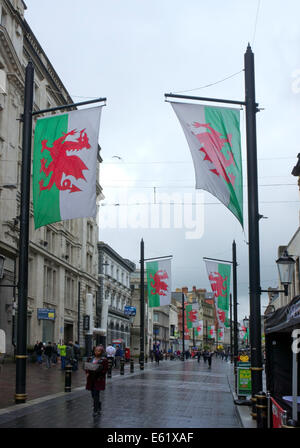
x,y
64,166
159,282
219,277
213,136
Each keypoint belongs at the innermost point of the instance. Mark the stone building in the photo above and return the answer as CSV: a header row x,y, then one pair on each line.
x,y
114,295
63,259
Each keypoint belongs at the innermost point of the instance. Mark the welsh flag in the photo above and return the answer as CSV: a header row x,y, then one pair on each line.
x,y
191,313
213,135
221,334
64,166
159,282
199,328
211,332
219,277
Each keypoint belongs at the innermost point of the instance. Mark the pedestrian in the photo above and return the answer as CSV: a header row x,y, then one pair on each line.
x,y
54,353
76,348
127,354
209,359
95,380
151,355
118,356
48,354
110,354
157,356
198,355
39,348
205,355
70,354
63,352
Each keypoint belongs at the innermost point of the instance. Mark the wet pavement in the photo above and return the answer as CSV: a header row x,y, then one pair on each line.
x,y
173,394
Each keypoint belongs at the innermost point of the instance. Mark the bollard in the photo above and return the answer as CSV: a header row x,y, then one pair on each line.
x,y
254,410
68,378
109,367
122,366
269,410
131,365
261,410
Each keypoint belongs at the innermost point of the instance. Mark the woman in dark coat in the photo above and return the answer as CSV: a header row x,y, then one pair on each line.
x,y
95,380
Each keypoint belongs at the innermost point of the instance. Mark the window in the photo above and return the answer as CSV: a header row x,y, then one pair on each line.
x,y
172,330
155,317
50,238
50,284
89,262
90,233
69,292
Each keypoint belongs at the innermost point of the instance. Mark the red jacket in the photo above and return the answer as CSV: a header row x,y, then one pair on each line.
x,y
96,380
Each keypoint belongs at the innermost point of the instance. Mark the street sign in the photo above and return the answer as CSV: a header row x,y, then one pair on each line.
x,y
45,314
130,310
244,379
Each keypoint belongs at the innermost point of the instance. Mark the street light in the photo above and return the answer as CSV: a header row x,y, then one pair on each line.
x,y
285,266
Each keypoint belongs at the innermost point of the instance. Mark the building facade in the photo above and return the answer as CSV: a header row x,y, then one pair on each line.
x,y
114,295
63,261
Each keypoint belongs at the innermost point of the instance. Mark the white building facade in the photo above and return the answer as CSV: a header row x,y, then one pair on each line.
x,y
114,295
63,261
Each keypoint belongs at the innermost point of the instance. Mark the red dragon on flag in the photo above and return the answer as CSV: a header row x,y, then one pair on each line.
x,y
158,284
192,315
217,284
211,144
62,163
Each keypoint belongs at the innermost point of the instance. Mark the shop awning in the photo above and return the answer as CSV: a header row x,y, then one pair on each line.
x,y
285,318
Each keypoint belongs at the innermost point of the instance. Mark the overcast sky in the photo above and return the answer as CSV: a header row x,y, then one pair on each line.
x,y
135,51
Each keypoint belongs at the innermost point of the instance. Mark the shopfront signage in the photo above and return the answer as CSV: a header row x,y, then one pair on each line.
x,y
244,379
45,314
130,310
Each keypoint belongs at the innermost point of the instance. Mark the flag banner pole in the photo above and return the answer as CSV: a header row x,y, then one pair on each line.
x,y
21,349
142,317
67,106
216,259
202,98
158,258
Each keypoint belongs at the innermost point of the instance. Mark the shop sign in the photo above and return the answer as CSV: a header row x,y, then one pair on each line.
x,y
244,380
130,310
45,314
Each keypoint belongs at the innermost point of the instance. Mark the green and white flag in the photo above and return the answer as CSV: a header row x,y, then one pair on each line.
x,y
191,313
221,334
64,166
213,135
199,328
211,332
219,277
159,282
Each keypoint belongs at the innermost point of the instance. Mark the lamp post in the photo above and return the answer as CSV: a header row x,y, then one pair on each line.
x,y
285,266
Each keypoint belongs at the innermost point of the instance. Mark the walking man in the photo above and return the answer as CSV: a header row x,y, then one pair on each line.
x,y
48,354
63,352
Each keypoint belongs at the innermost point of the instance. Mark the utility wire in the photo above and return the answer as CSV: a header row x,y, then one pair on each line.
x,y
211,84
256,18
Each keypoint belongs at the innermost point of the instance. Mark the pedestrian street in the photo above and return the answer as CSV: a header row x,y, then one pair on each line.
x,y
173,394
